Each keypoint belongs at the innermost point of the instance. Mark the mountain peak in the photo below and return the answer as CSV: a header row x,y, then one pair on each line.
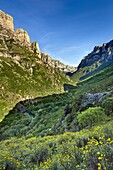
x,y
6,21
10,36
98,56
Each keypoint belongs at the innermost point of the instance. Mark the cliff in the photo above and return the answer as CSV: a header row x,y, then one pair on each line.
x,y
6,21
10,38
16,43
99,55
96,61
57,64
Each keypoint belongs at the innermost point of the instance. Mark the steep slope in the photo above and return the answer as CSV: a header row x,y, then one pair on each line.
x,y
57,64
98,59
27,79
23,72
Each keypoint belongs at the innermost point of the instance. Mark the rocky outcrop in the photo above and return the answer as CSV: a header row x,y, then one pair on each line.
x,y
6,21
35,48
10,37
57,64
99,55
94,99
22,36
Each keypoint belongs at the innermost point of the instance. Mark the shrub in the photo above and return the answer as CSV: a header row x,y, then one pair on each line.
x,y
107,104
10,165
40,155
91,116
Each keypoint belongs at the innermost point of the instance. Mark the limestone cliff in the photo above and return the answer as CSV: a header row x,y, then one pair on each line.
x,y
14,43
100,58
23,36
99,55
11,37
6,21
57,64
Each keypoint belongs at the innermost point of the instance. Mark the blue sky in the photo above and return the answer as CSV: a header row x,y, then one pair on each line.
x,y
65,29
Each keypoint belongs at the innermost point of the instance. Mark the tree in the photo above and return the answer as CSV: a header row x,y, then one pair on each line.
x,y
107,104
91,116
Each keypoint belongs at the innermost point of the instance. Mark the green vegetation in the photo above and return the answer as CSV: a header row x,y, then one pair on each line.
x,y
92,116
108,105
50,108
26,78
87,149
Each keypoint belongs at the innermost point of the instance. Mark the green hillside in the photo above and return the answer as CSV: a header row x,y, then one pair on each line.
x,y
27,78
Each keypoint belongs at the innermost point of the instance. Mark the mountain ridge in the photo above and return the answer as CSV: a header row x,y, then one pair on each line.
x,y
100,58
99,54
21,38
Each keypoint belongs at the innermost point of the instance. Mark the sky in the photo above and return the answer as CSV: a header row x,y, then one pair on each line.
x,y
67,30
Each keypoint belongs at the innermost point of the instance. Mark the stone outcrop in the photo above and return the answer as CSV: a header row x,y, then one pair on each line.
x,y
94,99
14,37
57,64
22,36
35,48
6,21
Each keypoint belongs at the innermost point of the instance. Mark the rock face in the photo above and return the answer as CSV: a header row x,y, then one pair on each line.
x,y
6,21
57,64
94,99
99,55
23,36
14,37
12,43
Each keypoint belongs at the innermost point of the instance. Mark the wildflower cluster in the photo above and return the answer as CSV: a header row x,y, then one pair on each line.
x,y
87,149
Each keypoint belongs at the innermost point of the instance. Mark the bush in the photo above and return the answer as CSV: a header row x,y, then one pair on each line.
x,y
40,155
91,116
10,165
107,104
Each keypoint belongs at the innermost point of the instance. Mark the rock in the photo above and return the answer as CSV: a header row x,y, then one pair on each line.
x,y
100,54
95,98
9,36
36,49
57,64
6,21
35,46
22,36
12,40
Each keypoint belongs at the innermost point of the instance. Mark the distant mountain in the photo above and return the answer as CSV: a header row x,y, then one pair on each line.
x,y
98,59
25,72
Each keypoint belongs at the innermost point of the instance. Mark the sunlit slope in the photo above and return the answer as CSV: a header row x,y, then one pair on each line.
x,y
26,78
